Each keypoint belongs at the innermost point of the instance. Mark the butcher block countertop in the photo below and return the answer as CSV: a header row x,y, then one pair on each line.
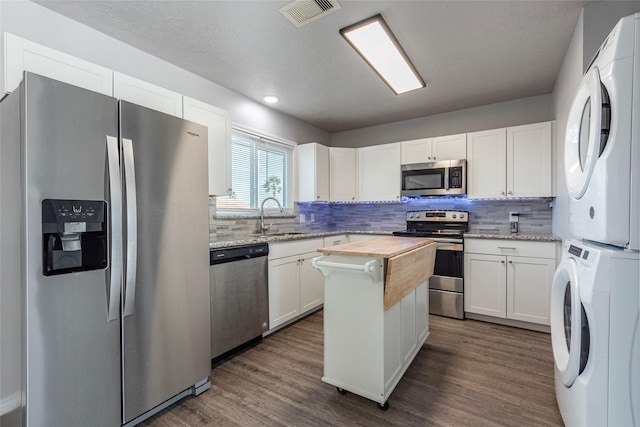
x,y
382,247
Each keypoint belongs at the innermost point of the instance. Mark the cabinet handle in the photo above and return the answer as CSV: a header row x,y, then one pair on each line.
x,y
510,262
502,261
507,248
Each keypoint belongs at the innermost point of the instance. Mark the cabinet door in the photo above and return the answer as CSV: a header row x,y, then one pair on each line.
x,y
311,283
218,122
22,55
422,312
416,151
343,174
529,161
529,283
408,325
486,164
284,290
147,95
313,172
485,284
379,172
451,147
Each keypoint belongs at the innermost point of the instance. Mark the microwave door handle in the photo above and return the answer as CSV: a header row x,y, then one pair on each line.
x,y
446,178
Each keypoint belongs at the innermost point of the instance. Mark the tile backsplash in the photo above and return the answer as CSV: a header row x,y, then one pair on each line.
x,y
485,216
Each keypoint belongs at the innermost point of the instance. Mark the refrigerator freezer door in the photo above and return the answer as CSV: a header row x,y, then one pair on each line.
x,y
73,351
166,339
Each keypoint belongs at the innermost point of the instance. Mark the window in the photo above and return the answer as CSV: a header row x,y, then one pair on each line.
x,y
260,168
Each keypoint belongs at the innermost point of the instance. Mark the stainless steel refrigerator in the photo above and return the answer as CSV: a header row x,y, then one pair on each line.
x,y
104,258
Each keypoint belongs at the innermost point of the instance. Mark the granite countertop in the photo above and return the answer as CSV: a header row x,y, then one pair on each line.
x,y
532,237
285,237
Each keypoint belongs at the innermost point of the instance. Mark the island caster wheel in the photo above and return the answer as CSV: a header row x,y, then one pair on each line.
x,y
341,390
383,406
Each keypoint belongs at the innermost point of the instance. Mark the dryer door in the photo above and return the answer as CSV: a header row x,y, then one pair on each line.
x,y
566,322
586,134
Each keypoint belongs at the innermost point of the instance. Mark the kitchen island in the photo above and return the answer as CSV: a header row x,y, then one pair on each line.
x,y
376,306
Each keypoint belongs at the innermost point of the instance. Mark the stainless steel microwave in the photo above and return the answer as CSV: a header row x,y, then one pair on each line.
x,y
443,178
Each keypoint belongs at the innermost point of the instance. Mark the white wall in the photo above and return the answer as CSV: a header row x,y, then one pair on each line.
x,y
41,25
565,88
510,113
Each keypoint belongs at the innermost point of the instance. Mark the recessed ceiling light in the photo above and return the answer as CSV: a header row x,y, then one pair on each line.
x,y
377,45
270,99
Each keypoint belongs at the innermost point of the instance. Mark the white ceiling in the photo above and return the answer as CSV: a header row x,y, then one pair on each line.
x,y
470,53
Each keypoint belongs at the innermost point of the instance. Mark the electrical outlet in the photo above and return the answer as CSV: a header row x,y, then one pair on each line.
x,y
313,217
303,218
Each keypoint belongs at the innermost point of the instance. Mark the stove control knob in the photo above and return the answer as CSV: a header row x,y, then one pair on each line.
x,y
410,215
454,216
461,216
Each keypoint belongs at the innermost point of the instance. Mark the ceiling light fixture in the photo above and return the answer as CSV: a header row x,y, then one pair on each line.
x,y
270,99
377,45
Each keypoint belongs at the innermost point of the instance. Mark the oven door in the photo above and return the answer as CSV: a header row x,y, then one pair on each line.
x,y
449,267
425,179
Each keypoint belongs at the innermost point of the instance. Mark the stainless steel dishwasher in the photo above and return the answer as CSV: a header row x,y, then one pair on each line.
x,y
239,296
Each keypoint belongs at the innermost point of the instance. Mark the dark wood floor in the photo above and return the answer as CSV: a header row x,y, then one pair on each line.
x,y
468,373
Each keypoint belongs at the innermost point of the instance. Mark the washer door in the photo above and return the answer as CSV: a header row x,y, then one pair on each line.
x,y
566,321
587,132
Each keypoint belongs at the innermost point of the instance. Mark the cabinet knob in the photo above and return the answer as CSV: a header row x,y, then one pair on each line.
x,y
510,262
502,193
353,198
510,192
434,157
318,197
502,261
429,158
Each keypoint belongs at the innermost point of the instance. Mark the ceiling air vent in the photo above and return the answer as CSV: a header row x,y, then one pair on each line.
x,y
304,11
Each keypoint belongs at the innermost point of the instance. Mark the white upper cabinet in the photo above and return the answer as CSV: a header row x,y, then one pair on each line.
x,y
313,172
510,162
379,172
343,174
218,122
416,151
451,147
23,55
146,94
486,164
529,160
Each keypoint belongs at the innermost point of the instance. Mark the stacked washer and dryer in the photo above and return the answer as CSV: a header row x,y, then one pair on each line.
x,y
595,299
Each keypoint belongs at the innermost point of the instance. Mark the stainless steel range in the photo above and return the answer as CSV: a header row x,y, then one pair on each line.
x,y
446,228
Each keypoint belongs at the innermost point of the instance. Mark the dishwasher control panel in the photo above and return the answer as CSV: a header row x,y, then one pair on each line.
x,y
217,256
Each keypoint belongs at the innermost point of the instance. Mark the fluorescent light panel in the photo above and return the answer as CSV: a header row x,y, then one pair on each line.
x,y
377,45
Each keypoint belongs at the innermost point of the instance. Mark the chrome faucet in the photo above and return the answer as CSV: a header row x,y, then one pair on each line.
x,y
264,228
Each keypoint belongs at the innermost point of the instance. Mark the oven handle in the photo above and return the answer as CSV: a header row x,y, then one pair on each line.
x,y
446,246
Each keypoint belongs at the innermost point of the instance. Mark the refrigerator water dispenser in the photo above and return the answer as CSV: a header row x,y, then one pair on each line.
x,y
74,236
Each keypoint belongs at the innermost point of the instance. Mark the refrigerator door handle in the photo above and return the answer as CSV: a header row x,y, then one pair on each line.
x,y
115,196
132,227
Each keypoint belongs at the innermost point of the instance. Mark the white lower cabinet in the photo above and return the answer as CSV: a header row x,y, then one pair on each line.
x,y
509,279
362,237
295,287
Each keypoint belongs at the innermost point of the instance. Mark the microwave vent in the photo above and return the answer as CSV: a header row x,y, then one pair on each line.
x,y
302,12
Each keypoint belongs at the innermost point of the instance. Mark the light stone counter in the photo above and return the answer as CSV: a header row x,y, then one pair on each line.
x,y
253,239
530,237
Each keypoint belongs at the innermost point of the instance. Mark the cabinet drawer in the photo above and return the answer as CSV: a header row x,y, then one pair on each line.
x,y
339,239
284,249
510,247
